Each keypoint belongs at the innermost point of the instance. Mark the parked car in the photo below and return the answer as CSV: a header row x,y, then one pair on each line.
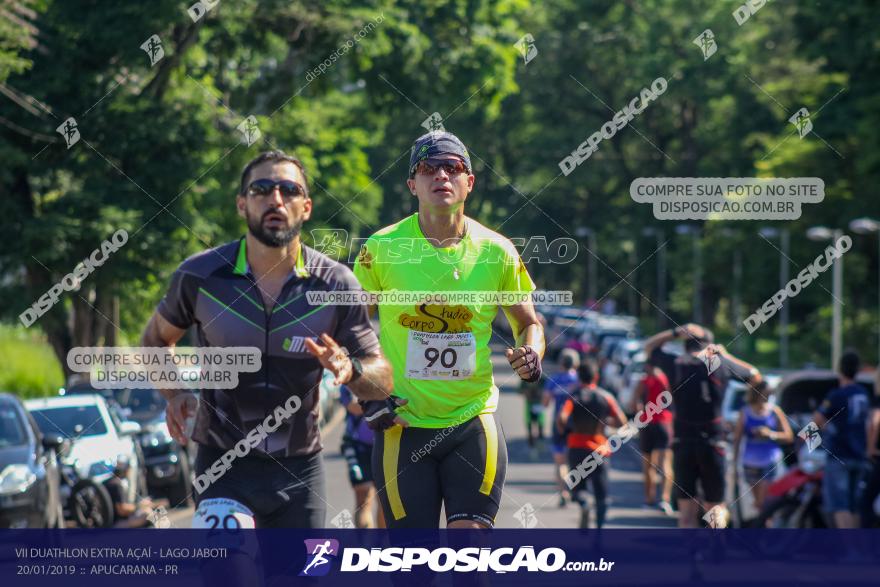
x,y
626,350
800,393
98,438
564,325
29,472
168,464
632,375
735,398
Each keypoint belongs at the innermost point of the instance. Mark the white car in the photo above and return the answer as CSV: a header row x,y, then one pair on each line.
x,y
98,438
632,375
735,398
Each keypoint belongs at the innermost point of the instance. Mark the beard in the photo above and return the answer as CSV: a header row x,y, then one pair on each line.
x,y
272,237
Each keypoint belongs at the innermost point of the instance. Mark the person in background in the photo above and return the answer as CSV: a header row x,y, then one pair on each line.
x,y
532,398
844,416
126,514
586,414
579,344
655,438
760,430
357,448
871,496
559,387
534,406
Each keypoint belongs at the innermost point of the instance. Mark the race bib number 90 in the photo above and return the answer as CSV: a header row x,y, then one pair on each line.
x,y
432,355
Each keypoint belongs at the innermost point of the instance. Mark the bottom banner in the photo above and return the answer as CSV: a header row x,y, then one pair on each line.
x,y
229,557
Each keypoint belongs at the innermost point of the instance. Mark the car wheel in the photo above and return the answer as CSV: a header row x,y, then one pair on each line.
x,y
141,488
91,505
180,492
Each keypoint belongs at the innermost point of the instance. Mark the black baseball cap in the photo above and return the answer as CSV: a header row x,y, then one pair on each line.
x,y
435,144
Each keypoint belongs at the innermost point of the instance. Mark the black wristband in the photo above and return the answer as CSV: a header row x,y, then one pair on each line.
x,y
357,369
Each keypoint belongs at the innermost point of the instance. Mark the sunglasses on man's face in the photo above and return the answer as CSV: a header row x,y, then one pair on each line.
x,y
450,167
265,187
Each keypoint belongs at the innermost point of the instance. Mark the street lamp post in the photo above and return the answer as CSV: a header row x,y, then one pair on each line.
x,y
590,234
784,241
868,226
736,300
661,274
698,268
821,233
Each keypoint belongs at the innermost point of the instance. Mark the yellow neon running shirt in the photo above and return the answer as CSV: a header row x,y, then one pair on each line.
x,y
440,353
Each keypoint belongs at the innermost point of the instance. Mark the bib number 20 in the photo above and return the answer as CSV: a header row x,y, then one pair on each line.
x,y
447,358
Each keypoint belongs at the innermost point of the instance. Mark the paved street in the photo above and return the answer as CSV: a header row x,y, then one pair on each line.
x,y
529,478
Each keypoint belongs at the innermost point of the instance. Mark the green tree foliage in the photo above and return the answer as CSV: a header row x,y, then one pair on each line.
x,y
347,85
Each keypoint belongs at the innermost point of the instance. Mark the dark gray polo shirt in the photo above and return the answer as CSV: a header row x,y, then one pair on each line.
x,y
216,291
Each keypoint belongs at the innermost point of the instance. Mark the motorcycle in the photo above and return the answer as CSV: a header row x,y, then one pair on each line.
x,y
795,500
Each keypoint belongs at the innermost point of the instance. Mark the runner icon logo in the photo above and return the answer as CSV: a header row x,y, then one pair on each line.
x,y
526,516
249,130
332,242
526,47
710,359
716,517
811,437
801,121
319,553
706,43
434,122
343,519
70,131
154,50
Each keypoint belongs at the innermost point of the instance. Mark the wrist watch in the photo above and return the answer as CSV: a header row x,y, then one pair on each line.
x,y
357,369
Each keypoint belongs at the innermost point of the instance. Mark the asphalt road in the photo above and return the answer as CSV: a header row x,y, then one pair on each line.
x,y
529,486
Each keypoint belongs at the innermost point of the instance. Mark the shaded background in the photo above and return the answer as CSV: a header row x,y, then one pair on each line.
x,y
160,154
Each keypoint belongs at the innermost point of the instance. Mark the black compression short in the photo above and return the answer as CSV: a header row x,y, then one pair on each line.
x,y
284,492
461,468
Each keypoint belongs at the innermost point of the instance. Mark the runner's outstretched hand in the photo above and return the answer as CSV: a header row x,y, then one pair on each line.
x,y
332,357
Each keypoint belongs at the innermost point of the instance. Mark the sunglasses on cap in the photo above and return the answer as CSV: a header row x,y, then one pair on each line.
x,y
431,166
265,187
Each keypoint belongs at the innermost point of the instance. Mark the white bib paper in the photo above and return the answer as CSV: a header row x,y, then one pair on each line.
x,y
433,355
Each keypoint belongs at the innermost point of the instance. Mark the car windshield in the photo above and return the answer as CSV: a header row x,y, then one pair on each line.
x,y
145,404
11,430
72,421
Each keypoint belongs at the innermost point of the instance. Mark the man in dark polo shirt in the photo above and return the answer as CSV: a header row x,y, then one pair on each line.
x,y
252,292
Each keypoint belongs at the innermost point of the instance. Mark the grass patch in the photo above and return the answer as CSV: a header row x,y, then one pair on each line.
x,y
29,367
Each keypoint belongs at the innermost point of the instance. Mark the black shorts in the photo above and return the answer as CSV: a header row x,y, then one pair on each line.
x,y
598,478
359,458
284,492
655,436
699,461
460,468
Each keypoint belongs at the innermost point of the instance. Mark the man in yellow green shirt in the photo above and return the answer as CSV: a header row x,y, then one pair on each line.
x,y
439,443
